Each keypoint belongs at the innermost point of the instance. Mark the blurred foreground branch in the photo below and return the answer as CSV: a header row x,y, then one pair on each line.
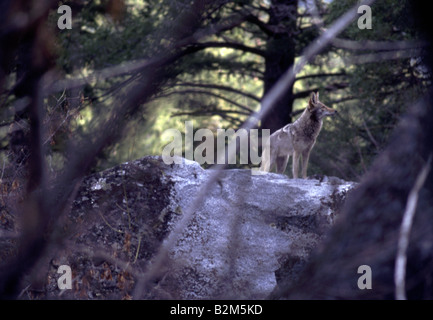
x,y
45,202
406,226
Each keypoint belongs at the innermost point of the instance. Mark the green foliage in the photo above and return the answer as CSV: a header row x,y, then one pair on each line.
x,y
391,20
377,94
216,86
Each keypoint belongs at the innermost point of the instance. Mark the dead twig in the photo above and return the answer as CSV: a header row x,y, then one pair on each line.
x,y
406,226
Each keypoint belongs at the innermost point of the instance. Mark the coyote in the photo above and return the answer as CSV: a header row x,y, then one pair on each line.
x,y
296,139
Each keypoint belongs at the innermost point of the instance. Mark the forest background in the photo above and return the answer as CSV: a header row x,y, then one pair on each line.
x,y
243,48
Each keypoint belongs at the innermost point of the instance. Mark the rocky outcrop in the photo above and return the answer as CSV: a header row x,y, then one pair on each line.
x,y
250,234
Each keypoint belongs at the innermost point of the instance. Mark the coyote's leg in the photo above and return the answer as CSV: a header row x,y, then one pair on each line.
x,y
282,163
264,166
295,166
265,162
267,159
305,157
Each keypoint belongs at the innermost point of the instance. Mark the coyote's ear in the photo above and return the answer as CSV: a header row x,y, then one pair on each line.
x,y
317,95
312,101
314,97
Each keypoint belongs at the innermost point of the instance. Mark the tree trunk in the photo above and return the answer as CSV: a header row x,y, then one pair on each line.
x,y
280,55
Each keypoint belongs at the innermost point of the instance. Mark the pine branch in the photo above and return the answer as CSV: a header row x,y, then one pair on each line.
x,y
321,75
224,114
343,100
262,25
135,67
209,93
219,87
381,56
231,45
377,45
328,88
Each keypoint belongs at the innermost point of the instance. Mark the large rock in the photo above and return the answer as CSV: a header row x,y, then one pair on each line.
x,y
250,234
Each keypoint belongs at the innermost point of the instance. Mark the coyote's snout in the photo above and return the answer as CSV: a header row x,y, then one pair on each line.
x,y
296,139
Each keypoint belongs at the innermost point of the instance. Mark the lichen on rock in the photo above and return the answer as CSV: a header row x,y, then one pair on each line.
x,y
250,232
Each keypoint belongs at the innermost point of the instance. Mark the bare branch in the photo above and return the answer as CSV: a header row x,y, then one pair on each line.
x,y
372,139
262,25
218,112
219,87
378,45
406,226
209,93
381,56
231,45
321,75
101,253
